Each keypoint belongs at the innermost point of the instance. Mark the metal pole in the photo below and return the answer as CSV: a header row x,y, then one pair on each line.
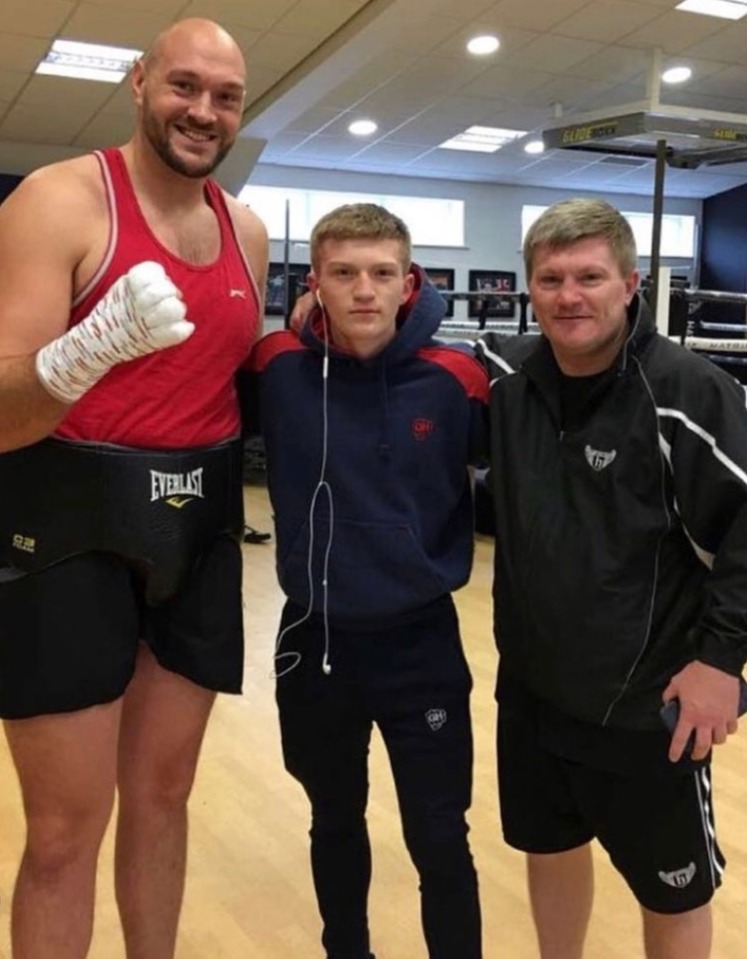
x,y
661,157
286,269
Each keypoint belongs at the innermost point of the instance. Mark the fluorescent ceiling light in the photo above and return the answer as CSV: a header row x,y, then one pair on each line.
x,y
726,9
676,75
481,46
88,61
363,128
534,146
482,139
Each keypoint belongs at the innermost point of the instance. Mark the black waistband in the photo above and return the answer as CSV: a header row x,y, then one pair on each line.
x,y
156,508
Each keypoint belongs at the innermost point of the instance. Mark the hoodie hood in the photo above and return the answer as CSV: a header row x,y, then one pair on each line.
x,y
418,320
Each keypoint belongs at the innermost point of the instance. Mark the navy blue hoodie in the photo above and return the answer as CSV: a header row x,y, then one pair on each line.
x,y
386,497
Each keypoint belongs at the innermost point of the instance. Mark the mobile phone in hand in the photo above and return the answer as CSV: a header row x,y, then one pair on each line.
x,y
670,712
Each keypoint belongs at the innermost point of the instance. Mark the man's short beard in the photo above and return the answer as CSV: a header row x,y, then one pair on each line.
x,y
175,162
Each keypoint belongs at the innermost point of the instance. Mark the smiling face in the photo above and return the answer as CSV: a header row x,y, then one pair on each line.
x,y
579,298
189,90
362,283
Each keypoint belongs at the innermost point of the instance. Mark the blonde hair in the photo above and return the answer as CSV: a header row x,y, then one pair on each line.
x,y
360,221
576,219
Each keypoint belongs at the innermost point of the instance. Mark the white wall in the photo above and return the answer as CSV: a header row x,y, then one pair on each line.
x,y
493,217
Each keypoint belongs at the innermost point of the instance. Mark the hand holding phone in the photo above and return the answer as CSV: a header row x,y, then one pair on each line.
x,y
670,712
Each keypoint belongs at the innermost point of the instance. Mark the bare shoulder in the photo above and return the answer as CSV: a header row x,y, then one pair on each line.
x,y
68,183
251,232
244,217
53,227
59,205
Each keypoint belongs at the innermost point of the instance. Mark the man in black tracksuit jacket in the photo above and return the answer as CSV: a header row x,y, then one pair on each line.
x,y
619,477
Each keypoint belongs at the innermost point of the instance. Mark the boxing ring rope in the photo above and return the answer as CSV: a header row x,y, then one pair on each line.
x,y
484,321
723,343
728,349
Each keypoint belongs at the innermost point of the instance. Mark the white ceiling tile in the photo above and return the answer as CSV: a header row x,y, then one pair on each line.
x,y
40,125
21,52
115,25
674,32
431,128
120,100
607,21
246,37
311,16
169,9
468,9
104,130
583,94
531,16
280,50
702,101
56,93
615,65
432,76
725,82
368,78
10,84
255,16
313,121
557,163
325,147
555,54
282,144
385,152
505,82
36,19
725,44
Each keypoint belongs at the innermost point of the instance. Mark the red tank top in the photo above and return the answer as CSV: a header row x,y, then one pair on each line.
x,y
183,396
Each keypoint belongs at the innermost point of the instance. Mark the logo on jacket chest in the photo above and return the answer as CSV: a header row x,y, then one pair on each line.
x,y
422,428
599,459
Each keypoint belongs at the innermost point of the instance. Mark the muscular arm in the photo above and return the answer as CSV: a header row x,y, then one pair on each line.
x,y
27,411
252,235
52,235
41,246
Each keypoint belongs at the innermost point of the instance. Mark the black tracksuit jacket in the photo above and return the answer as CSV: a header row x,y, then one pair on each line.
x,y
621,537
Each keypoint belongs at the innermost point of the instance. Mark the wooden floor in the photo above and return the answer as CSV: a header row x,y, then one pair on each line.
x,y
249,893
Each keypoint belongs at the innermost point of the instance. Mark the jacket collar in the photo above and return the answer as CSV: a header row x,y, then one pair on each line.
x,y
541,363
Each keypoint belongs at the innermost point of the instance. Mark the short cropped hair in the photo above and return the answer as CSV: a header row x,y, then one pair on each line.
x,y
577,219
360,221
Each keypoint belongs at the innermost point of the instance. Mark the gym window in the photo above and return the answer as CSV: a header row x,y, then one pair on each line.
x,y
432,221
677,231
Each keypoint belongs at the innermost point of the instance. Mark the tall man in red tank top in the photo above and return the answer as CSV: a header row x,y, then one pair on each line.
x,y
129,296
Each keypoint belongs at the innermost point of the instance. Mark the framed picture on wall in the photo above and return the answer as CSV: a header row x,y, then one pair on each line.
x,y
443,279
275,295
492,281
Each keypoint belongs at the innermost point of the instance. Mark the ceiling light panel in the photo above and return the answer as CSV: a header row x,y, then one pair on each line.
x,y
482,139
725,9
88,61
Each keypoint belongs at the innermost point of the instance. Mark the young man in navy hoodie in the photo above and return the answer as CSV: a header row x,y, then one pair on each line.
x,y
369,426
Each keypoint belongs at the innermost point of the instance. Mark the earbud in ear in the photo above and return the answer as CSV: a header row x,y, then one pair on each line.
x,y
319,299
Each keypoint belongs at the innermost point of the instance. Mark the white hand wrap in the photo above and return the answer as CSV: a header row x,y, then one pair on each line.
x,y
141,313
